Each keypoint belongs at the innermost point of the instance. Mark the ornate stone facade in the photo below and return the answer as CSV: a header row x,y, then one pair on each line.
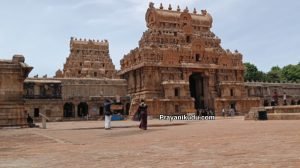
x,y
266,92
88,59
73,98
88,78
12,75
180,65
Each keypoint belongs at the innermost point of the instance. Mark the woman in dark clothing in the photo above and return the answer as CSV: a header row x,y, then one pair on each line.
x,y
142,111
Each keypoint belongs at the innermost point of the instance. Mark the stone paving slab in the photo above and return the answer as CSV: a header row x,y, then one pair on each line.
x,y
219,143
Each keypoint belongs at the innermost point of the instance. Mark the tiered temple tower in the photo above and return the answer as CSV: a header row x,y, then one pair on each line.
x,y
180,65
88,59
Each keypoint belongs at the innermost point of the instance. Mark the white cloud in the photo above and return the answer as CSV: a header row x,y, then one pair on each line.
x,y
266,32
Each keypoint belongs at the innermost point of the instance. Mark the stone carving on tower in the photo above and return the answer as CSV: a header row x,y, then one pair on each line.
x,y
180,65
88,59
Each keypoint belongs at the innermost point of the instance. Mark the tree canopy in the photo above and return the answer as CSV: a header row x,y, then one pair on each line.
x,y
289,73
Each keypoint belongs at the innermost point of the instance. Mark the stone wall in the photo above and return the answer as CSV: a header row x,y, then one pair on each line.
x,y
73,98
266,91
89,87
242,106
12,74
52,108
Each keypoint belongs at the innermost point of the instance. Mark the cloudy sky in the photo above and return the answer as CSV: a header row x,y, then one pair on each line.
x,y
266,32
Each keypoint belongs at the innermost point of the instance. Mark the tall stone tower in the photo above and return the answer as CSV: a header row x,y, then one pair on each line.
x,y
88,59
180,65
12,75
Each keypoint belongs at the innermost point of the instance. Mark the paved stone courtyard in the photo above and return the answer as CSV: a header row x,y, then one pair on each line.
x,y
219,143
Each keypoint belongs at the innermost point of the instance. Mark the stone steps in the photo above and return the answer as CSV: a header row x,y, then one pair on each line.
x,y
283,116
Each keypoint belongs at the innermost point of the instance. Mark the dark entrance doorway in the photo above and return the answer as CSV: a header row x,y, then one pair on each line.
x,y
101,111
36,112
197,90
83,109
232,106
69,110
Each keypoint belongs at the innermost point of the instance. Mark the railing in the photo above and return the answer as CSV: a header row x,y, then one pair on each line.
x,y
42,97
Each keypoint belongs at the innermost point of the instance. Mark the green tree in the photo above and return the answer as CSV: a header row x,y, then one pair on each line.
x,y
252,74
291,73
261,76
275,74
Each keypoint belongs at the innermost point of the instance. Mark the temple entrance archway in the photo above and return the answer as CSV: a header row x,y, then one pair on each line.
x,y
69,110
197,89
101,110
233,105
83,109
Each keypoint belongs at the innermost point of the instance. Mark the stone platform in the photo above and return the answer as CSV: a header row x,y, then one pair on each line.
x,y
276,113
12,115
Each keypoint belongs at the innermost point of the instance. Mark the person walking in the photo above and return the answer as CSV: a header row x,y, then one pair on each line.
x,y
223,112
30,121
142,111
231,112
284,99
107,113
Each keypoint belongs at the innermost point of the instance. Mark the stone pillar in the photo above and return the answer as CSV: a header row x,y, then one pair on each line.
x,y
44,123
76,110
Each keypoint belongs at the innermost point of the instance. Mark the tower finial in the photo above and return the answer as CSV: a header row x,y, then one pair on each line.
x,y
186,9
178,8
151,5
195,11
203,12
161,6
170,7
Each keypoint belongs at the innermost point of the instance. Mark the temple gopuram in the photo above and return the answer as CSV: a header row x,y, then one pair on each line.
x,y
78,92
180,66
88,58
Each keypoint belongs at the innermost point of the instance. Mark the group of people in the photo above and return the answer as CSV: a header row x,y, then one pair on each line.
x,y
230,112
275,100
141,114
205,112
30,122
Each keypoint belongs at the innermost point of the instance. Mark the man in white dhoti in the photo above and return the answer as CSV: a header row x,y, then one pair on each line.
x,y
223,112
284,99
107,113
232,112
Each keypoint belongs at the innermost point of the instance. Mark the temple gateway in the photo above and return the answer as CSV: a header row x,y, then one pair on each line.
x,y
178,67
